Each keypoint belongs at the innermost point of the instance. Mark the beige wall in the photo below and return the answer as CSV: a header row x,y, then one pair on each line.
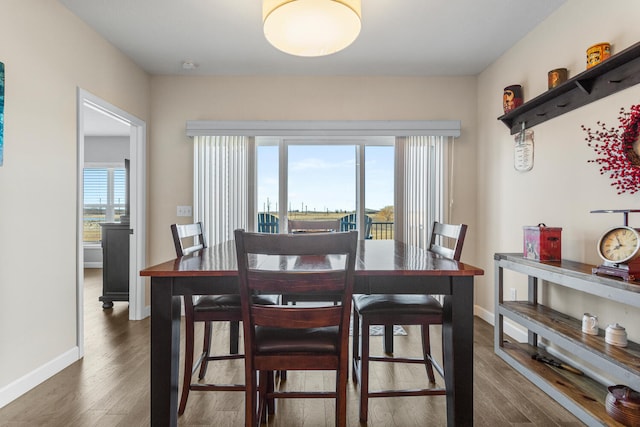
x,y
562,188
48,53
177,99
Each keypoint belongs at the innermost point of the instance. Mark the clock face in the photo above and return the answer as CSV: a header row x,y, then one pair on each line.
x,y
619,245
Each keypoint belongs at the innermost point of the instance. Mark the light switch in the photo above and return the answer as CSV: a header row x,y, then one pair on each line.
x,y
184,211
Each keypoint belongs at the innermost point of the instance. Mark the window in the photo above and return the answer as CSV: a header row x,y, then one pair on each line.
x,y
242,181
104,199
351,180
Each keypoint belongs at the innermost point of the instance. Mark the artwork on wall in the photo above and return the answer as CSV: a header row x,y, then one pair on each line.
x,y
1,113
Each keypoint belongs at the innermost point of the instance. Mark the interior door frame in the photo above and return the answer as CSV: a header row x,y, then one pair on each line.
x,y
137,255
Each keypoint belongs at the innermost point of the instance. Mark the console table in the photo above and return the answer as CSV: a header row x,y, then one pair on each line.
x,y
580,394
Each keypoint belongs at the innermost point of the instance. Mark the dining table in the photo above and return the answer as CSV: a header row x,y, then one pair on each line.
x,y
382,267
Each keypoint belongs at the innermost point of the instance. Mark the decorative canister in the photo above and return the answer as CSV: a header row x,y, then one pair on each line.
x,y
598,53
542,243
616,335
511,98
623,405
557,76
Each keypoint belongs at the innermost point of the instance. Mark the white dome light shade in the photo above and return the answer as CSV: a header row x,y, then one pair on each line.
x,y
311,27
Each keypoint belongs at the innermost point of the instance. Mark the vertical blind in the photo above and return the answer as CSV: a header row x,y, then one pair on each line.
x,y
223,174
423,180
221,185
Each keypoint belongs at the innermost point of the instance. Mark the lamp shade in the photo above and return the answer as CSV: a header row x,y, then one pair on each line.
x,y
311,27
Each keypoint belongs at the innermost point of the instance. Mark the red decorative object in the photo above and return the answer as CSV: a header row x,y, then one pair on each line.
x,y
617,150
542,243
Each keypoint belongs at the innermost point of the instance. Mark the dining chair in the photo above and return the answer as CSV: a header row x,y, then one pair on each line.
x,y
350,222
285,337
422,310
189,238
268,223
312,226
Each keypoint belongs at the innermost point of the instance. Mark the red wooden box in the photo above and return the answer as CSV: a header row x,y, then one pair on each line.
x,y
543,243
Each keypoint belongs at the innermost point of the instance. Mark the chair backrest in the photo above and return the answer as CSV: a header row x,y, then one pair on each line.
x,y
447,240
268,223
350,222
314,225
313,263
188,238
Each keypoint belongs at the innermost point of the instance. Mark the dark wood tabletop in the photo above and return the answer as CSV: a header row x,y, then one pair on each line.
x,y
383,266
375,258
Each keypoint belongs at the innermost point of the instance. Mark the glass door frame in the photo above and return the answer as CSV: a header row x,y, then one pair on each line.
x,y
283,144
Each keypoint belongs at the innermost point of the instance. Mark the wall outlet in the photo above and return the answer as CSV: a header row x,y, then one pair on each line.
x,y
184,211
513,294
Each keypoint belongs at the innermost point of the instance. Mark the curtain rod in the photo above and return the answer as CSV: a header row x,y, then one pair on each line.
x,y
323,128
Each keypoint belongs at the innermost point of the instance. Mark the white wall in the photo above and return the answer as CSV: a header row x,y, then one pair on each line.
x,y
562,188
106,149
48,53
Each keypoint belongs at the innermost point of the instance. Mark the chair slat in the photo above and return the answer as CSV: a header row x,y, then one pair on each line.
x,y
296,317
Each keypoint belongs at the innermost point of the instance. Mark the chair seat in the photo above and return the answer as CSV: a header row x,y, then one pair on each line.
x,y
394,304
278,340
231,302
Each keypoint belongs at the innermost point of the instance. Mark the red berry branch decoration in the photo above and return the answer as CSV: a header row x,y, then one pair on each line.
x,y
616,150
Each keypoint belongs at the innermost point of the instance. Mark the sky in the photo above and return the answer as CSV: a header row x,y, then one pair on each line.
x,y
323,177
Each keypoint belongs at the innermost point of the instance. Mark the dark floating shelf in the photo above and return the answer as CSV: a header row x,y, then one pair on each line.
x,y
619,72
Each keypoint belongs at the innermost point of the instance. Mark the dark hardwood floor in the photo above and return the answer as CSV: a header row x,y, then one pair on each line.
x,y
109,386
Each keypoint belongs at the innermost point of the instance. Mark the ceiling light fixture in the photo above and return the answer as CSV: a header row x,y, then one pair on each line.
x,y
311,27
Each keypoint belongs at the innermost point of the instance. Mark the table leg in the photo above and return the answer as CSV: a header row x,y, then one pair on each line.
x,y
165,352
457,331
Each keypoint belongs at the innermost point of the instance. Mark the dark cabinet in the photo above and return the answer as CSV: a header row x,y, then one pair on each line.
x,y
115,263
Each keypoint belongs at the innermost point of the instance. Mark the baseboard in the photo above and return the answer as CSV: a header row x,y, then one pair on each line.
x,y
512,329
17,388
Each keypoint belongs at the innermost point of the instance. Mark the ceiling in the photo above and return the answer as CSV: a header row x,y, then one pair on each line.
x,y
398,37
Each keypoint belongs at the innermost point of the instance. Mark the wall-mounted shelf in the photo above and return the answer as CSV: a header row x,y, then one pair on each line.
x,y
619,72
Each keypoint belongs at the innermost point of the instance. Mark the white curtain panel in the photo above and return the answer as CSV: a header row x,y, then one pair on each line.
x,y
423,182
220,172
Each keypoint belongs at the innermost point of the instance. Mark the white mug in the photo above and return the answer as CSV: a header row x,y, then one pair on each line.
x,y
590,324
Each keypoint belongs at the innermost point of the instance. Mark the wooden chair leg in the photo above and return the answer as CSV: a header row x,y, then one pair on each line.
x,y
364,371
426,349
342,378
263,388
355,346
251,391
234,333
206,349
388,339
188,364
271,402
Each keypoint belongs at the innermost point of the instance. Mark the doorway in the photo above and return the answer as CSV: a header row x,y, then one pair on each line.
x,y
97,117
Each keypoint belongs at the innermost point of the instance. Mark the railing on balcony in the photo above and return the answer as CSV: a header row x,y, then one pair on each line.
x,y
378,230
382,230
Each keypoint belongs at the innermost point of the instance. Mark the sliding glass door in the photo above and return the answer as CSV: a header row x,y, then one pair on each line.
x,y
348,180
